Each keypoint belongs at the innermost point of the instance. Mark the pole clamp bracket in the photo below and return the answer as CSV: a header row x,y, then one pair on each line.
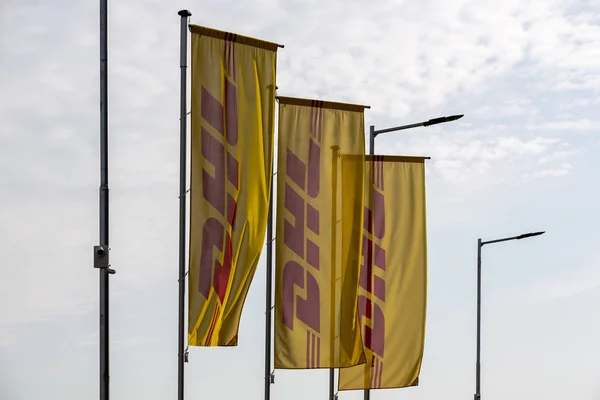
x,y
101,259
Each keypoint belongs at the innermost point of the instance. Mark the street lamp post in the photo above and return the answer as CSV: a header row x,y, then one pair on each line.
x,y
374,133
480,244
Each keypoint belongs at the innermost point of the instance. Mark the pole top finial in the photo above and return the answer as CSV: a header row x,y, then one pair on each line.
x,y
184,13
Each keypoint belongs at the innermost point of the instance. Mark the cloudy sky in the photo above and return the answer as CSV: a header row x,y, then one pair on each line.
x,y
526,73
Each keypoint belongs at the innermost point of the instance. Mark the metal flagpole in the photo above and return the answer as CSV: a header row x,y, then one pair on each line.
x,y
269,376
331,384
478,362
367,393
334,179
101,259
185,14
372,140
268,298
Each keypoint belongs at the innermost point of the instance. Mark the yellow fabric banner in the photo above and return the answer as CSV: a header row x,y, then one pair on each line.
x,y
393,278
232,126
318,235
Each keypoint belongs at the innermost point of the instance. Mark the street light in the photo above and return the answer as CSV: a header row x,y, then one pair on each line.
x,y
480,244
374,133
440,120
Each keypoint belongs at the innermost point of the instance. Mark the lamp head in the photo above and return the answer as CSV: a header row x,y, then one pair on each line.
x,y
441,120
527,235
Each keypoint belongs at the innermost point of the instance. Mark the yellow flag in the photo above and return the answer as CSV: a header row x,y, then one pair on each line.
x,y
393,279
318,235
232,124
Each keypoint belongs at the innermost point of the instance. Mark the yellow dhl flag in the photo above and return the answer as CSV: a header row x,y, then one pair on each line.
x,y
393,278
232,125
318,235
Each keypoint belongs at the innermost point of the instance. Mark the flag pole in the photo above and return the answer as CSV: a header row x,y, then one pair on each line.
x,y
101,259
185,14
372,134
269,376
334,179
268,297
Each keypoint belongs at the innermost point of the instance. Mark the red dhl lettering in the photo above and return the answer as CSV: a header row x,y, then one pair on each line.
x,y
374,255
224,167
305,216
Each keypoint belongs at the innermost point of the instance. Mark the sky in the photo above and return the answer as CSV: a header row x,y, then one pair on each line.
x,y
526,74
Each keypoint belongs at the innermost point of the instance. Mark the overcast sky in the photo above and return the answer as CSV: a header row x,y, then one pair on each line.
x,y
525,73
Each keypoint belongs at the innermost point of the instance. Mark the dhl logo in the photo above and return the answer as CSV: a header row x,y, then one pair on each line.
x,y
220,184
302,182
373,279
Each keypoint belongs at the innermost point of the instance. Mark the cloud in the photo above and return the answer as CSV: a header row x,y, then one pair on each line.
x,y
576,283
557,155
579,103
399,67
519,107
563,170
7,337
577,125
91,339
474,158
